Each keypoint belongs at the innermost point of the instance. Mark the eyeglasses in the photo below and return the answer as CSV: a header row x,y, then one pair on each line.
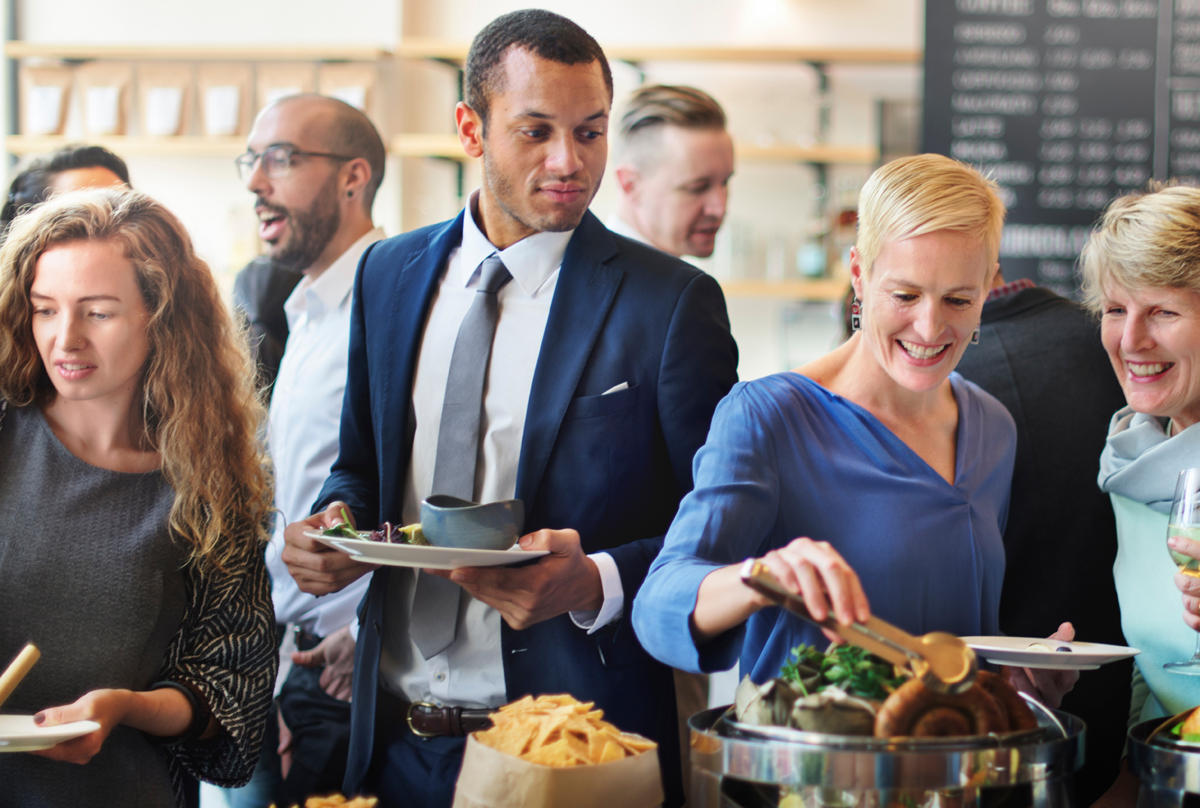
x,y
276,161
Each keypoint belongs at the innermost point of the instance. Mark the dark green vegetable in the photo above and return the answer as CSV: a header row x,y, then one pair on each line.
x,y
848,667
344,530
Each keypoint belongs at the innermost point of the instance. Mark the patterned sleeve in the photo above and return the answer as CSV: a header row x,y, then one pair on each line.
x,y
225,648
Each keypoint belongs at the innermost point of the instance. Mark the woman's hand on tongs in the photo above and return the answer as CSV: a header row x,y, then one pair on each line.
x,y
811,569
1047,686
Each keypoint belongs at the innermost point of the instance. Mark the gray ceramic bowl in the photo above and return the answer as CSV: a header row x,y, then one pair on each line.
x,y
452,522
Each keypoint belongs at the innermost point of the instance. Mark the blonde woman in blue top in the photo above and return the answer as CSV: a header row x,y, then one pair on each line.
x,y
893,471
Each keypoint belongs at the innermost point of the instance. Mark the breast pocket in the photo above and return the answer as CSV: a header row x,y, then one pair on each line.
x,y
607,404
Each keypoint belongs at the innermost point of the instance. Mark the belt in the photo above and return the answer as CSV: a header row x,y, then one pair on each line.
x,y
429,720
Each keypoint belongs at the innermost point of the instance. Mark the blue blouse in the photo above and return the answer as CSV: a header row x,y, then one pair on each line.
x,y
786,458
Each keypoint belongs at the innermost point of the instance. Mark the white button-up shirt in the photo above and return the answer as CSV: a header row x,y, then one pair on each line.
x,y
306,418
470,671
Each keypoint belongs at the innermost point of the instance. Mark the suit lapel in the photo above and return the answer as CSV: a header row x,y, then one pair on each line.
x,y
583,296
415,284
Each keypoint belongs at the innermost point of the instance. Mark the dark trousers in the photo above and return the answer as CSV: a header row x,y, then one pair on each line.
x,y
320,726
412,772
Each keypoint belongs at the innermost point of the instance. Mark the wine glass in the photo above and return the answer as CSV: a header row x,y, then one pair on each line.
x,y
1185,523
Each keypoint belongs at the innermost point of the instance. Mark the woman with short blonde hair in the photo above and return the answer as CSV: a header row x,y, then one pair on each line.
x,y
130,457
1141,274
892,470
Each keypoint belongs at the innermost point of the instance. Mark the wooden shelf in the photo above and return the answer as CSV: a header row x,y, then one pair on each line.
x,y
455,51
428,145
16,49
447,146
183,146
817,153
820,289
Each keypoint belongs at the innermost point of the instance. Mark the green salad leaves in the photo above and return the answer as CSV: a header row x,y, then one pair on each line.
x,y
848,667
344,530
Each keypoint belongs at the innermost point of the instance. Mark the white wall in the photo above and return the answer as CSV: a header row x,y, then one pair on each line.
x,y
771,103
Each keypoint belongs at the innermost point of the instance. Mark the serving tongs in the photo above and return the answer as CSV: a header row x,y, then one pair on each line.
x,y
941,661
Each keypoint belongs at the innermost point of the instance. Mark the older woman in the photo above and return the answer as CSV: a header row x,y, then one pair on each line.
x,y
894,469
1141,273
129,461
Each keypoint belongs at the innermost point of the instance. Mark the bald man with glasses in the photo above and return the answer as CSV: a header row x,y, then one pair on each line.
x,y
314,165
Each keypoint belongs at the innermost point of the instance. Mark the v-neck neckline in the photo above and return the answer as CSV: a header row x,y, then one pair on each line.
x,y
959,437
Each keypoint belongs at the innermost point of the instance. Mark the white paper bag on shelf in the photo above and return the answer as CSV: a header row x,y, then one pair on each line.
x,y
105,88
165,98
493,779
224,91
45,91
277,80
350,82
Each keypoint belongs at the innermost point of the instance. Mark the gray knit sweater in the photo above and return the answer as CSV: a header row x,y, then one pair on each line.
x,y
91,574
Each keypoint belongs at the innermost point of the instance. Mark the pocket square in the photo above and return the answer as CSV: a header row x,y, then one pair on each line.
x,y
616,389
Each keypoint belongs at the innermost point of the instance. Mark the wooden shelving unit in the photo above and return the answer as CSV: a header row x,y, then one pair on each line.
x,y
196,53
453,51
182,146
448,147
818,289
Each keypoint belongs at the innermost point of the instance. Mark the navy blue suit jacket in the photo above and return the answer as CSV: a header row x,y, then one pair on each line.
x,y
613,467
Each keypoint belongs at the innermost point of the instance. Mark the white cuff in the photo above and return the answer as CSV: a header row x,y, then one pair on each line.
x,y
354,629
614,597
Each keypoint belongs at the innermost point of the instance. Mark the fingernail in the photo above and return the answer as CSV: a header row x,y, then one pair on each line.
x,y
39,718
526,541
1173,543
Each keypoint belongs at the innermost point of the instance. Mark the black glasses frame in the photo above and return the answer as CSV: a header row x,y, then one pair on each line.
x,y
247,161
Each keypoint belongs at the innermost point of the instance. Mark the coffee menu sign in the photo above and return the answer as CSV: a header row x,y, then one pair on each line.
x,y
1066,104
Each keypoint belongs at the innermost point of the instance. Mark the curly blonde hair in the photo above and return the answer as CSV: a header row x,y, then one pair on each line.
x,y
1144,240
201,410
922,194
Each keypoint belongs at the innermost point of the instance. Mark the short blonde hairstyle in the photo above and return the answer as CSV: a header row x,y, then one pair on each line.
x,y
1144,240
923,194
201,410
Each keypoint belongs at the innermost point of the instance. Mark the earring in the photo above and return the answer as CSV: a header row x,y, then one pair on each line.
x,y
349,193
975,337
856,315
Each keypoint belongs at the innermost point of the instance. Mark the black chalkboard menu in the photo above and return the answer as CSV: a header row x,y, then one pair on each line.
x,y
1067,104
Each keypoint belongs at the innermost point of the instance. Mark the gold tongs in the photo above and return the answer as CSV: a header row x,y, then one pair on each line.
x,y
940,660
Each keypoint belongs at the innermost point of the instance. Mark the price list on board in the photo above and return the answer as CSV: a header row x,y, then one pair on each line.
x,y
1066,104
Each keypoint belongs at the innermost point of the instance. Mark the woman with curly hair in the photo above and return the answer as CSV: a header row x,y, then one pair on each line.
x,y
135,496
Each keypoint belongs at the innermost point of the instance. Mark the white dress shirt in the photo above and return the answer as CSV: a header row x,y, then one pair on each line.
x,y
470,671
306,418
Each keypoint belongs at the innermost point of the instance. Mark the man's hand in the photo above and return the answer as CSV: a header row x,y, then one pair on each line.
x,y
1046,686
317,569
336,653
564,581
284,750
1189,586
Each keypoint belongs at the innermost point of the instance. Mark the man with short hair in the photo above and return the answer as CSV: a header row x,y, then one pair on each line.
x,y
314,165
674,161
519,351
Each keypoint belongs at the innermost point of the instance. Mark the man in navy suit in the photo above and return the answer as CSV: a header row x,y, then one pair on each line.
x,y
607,361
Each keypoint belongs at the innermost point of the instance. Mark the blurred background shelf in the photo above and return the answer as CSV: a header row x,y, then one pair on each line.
x,y
453,51
180,146
448,147
818,289
15,49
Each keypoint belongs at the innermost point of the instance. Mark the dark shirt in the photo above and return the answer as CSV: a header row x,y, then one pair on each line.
x,y
259,292
1041,355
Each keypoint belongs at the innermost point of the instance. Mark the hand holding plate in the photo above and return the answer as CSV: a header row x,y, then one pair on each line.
x,y
566,580
317,569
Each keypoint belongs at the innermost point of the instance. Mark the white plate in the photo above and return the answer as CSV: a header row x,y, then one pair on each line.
x,y
18,733
431,558
1083,656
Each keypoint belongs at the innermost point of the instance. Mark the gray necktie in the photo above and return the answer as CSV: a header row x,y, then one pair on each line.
x,y
435,604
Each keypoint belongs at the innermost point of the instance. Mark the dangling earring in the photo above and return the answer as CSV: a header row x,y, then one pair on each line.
x,y
975,337
856,315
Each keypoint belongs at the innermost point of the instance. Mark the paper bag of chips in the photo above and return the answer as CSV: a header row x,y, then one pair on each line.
x,y
556,752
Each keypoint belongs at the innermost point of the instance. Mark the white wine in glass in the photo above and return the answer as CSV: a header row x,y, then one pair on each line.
x,y
1184,523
